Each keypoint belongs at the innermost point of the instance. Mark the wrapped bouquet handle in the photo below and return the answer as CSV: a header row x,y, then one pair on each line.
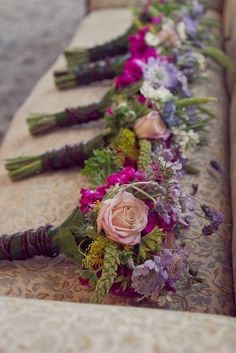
x,y
105,69
47,241
62,158
115,47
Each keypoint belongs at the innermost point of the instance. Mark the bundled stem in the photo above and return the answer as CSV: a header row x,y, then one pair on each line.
x,y
27,244
42,123
47,241
63,158
85,74
117,46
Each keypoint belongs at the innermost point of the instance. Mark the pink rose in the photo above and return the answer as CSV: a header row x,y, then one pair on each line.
x,y
168,36
151,126
123,218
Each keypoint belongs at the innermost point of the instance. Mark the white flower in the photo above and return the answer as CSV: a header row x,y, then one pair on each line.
x,y
160,94
187,140
181,30
201,61
151,39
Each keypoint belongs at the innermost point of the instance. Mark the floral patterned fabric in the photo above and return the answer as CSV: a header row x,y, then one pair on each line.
x,y
50,198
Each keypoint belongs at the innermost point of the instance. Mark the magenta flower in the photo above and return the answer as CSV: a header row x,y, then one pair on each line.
x,y
90,197
125,176
132,73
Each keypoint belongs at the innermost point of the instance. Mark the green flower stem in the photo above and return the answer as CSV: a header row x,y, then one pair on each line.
x,y
63,158
46,241
43,123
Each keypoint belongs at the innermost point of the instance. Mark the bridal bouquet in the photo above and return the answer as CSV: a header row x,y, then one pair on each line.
x,y
128,234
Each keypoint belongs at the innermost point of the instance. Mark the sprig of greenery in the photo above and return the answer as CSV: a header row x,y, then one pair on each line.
x,y
101,165
150,243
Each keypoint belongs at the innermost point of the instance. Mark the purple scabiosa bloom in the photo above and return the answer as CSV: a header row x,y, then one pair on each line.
x,y
154,276
160,73
149,278
215,218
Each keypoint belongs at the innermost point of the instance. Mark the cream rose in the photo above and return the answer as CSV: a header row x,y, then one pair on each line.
x,y
123,218
151,126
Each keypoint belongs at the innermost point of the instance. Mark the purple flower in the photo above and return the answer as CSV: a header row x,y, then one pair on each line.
x,y
161,73
154,276
169,116
216,165
188,64
215,218
191,26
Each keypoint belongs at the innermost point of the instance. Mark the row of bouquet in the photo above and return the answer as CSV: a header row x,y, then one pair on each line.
x,y
127,234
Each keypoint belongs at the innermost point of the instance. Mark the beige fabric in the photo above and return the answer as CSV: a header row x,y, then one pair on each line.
x,y
40,326
51,198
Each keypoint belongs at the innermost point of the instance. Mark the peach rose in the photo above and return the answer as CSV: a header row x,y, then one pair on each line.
x,y
123,218
151,126
168,36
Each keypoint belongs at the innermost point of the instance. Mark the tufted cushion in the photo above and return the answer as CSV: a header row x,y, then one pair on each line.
x,y
50,198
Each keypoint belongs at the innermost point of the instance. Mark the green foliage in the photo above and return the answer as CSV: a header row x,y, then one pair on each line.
x,y
67,244
90,276
125,112
125,255
167,9
145,150
150,243
75,219
109,272
101,165
67,235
